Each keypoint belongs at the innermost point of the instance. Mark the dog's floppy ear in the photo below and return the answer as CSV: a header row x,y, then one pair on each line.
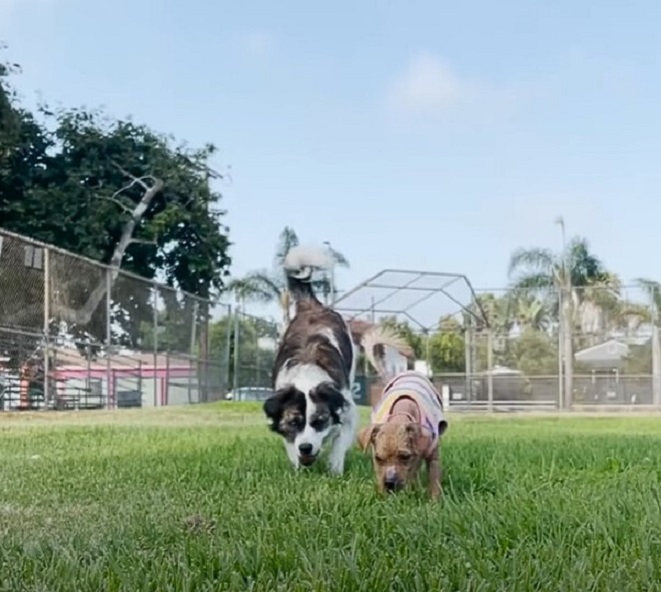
x,y
273,405
421,437
442,427
366,436
329,394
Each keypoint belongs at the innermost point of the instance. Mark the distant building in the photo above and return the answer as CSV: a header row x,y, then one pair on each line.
x,y
604,357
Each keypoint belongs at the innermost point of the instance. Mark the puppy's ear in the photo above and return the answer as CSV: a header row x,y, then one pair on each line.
x,y
273,405
442,427
366,436
421,437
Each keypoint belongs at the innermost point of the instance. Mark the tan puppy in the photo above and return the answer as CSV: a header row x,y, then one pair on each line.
x,y
405,429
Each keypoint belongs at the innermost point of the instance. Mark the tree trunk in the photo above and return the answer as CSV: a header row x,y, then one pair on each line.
x,y
567,319
83,315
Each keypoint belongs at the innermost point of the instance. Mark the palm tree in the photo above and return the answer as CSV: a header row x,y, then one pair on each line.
x,y
532,313
268,286
499,312
574,281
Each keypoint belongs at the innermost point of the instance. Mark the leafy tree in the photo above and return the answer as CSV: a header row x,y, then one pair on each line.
x,y
532,313
640,360
252,362
536,353
499,311
9,118
444,348
447,351
113,191
269,285
576,276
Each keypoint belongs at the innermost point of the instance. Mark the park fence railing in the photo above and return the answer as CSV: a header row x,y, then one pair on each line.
x,y
604,354
78,334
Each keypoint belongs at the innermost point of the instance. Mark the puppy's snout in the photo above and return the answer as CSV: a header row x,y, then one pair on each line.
x,y
391,484
305,449
391,481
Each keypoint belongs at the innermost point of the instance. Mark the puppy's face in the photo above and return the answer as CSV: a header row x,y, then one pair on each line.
x,y
397,450
305,421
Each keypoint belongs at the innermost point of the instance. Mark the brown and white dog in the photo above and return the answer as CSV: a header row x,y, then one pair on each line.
x,y
313,372
406,425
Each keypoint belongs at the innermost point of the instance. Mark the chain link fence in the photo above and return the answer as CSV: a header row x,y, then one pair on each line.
x,y
579,348
598,349
253,348
77,334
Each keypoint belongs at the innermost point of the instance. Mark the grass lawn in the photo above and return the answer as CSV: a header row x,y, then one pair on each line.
x,y
203,499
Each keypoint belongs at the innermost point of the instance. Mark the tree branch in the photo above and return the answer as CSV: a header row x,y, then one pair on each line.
x,y
83,315
134,179
114,199
143,241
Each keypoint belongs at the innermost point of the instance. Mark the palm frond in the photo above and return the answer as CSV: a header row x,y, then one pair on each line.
x,y
532,261
533,282
633,315
339,258
258,286
585,268
287,240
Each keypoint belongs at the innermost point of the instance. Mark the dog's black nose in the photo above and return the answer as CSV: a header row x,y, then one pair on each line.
x,y
305,449
390,484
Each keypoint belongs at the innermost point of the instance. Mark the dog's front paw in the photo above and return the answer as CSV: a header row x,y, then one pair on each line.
x,y
435,492
336,468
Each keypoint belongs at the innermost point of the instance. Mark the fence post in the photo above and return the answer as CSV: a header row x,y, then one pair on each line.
x,y
109,378
490,369
46,326
561,346
166,396
235,377
656,365
203,352
155,343
191,352
227,362
190,386
468,354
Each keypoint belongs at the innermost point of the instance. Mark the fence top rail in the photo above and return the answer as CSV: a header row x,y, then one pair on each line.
x,y
597,376
90,261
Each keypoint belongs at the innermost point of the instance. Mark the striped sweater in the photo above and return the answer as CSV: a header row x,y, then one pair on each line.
x,y
419,388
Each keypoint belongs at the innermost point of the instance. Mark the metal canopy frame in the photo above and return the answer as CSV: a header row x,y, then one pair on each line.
x,y
446,281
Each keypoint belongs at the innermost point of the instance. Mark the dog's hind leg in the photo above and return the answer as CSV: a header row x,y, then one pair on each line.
x,y
434,475
343,441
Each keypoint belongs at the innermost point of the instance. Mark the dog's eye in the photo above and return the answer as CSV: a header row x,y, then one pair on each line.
x,y
379,460
404,456
319,423
293,422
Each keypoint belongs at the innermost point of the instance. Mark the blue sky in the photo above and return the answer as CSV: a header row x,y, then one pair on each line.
x,y
419,134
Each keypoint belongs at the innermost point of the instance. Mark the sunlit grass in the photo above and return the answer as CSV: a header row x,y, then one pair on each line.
x,y
203,499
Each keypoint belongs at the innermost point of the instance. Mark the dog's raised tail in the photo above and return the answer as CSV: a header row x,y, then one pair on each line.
x,y
374,342
299,264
